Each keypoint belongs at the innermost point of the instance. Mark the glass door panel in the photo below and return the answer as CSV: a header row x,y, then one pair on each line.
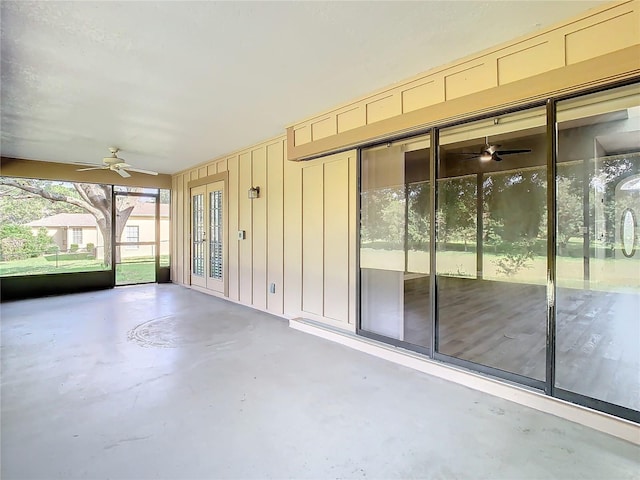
x,y
598,261
491,249
215,247
394,242
198,236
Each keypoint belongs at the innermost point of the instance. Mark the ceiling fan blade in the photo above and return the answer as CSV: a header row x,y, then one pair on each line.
x,y
122,172
91,168
139,170
511,152
86,164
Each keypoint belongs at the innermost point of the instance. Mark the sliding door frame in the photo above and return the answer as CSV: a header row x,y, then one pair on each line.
x,y
548,384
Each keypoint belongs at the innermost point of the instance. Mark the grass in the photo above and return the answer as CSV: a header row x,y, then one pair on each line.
x,y
131,270
40,265
129,273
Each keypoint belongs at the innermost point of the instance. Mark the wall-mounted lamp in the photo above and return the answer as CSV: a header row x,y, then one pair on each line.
x,y
254,192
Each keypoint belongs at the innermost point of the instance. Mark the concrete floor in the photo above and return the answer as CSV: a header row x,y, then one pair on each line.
x,y
159,381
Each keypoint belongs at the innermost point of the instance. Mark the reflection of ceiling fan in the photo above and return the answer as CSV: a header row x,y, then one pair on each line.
x,y
493,152
116,164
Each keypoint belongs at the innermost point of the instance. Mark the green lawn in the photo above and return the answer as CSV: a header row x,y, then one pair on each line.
x,y
129,273
132,270
40,265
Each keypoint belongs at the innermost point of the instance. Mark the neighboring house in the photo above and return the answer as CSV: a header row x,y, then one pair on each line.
x,y
66,229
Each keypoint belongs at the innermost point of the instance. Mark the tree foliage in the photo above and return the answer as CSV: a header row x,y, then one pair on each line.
x,y
17,242
92,198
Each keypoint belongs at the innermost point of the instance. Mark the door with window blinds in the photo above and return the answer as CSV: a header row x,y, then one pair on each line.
x,y
208,244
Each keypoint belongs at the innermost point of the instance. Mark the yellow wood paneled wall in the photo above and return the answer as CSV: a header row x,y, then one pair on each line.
x,y
300,234
258,260
598,32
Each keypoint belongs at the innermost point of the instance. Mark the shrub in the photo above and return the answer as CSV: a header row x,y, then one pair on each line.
x,y
90,247
73,247
17,242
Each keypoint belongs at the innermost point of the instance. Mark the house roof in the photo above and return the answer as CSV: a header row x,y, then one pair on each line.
x,y
88,220
174,84
148,209
65,220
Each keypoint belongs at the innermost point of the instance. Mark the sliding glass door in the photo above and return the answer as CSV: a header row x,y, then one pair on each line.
x,y
394,242
598,260
491,244
522,259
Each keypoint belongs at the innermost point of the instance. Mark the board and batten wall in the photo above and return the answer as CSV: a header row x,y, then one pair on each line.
x,y
300,234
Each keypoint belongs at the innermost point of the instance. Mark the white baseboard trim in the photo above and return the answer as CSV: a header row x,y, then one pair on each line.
x,y
600,421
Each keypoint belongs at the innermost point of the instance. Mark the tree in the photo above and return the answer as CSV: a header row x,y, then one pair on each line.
x,y
92,198
19,207
17,242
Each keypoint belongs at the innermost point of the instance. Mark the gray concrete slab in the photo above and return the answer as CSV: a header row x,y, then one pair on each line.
x,y
159,381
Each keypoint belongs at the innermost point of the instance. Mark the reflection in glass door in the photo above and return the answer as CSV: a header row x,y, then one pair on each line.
x,y
137,243
491,250
394,242
598,262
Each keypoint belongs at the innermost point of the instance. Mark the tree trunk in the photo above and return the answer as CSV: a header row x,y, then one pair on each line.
x,y
121,220
103,225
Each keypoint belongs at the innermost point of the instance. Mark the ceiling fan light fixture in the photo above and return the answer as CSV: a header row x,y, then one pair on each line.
x,y
115,164
486,156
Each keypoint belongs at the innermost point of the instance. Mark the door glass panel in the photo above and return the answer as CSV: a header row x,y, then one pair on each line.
x,y
394,241
598,263
198,235
491,246
215,235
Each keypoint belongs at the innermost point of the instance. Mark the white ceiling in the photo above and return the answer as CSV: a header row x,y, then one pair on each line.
x,y
174,84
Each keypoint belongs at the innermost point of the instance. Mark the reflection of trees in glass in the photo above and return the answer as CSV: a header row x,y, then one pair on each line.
x,y
418,221
514,204
569,193
383,217
603,176
457,209
608,174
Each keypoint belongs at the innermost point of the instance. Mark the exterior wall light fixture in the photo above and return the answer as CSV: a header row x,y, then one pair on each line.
x,y
254,192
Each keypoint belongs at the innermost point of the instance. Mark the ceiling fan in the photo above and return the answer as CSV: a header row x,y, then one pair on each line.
x,y
494,152
115,164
